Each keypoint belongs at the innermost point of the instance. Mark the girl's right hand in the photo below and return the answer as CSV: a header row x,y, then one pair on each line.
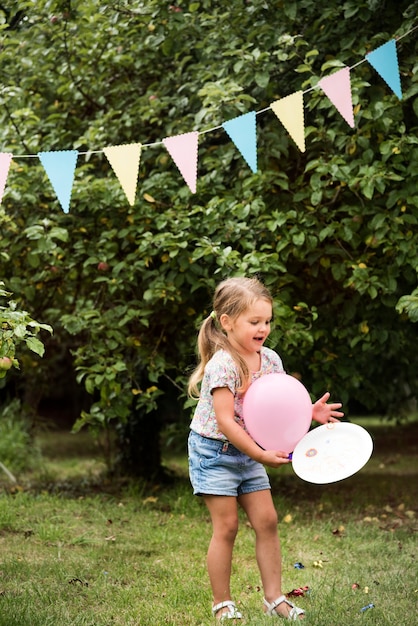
x,y
274,458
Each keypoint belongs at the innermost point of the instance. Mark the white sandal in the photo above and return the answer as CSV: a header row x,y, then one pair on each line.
x,y
232,612
294,612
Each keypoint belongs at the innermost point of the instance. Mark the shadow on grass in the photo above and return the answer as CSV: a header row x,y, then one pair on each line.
x,y
63,444
388,479
361,491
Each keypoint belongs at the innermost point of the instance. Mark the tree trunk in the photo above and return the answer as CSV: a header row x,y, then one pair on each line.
x,y
140,449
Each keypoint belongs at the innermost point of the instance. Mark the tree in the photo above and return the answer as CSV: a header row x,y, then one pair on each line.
x,y
332,231
17,327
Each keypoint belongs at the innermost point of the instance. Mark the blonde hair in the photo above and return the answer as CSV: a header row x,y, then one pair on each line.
x,y
232,297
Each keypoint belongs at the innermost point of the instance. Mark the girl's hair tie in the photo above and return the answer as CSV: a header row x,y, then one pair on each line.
x,y
213,315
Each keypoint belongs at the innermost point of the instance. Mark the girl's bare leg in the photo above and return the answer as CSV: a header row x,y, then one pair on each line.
x,y
262,516
224,515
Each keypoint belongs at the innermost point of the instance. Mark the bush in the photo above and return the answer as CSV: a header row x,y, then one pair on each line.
x,y
18,452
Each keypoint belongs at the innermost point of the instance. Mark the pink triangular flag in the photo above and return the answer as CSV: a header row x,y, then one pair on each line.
x,y
5,160
183,150
124,160
289,110
337,87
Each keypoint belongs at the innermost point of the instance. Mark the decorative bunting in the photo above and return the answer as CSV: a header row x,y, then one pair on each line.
x,y
183,150
5,160
290,112
242,131
337,87
385,61
124,160
60,167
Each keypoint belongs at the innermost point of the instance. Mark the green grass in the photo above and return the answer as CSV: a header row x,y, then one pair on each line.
x,y
77,550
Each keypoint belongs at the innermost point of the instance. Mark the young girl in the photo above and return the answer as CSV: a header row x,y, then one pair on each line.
x,y
226,465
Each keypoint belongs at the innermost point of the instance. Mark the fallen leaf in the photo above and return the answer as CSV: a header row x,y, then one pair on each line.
x,y
74,581
300,591
150,500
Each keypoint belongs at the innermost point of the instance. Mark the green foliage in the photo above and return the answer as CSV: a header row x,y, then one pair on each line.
x,y
18,452
409,305
17,326
332,231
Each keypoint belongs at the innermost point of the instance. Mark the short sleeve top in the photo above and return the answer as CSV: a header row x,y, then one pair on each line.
x,y
222,371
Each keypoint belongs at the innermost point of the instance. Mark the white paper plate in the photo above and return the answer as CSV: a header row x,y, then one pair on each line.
x,y
332,452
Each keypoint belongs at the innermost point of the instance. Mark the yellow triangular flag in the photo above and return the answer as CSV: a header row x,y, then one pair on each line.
x,y
124,160
289,110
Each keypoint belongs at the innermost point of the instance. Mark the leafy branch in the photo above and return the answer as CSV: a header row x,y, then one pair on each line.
x,y
16,326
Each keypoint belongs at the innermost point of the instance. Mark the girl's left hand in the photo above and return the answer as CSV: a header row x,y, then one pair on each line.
x,y
323,412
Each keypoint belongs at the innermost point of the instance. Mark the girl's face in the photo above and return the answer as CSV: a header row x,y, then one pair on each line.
x,y
250,329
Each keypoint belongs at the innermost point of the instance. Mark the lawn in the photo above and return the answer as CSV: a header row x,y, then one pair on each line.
x,y
77,549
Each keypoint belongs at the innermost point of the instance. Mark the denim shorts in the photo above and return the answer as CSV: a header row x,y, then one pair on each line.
x,y
218,468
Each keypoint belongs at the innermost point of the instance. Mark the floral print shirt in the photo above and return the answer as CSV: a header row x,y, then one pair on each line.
x,y
221,371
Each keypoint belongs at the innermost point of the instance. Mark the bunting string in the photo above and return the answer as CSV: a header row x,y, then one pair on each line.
x,y
124,159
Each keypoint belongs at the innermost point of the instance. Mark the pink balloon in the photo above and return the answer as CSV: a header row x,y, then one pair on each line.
x,y
277,411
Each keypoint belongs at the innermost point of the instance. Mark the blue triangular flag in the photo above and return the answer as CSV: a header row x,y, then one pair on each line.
x,y
385,61
60,167
242,131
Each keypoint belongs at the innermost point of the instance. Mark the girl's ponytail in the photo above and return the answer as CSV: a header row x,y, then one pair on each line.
x,y
210,339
